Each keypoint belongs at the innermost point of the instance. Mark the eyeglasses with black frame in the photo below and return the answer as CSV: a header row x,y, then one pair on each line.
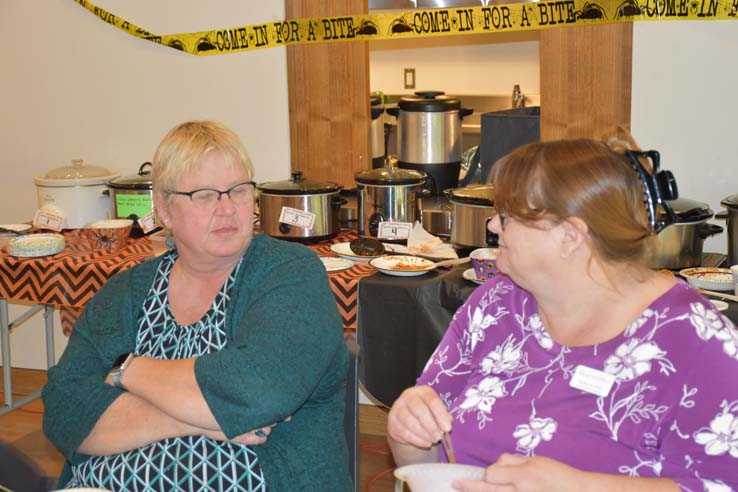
x,y
208,197
659,187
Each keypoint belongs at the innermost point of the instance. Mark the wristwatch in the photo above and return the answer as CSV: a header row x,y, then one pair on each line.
x,y
120,365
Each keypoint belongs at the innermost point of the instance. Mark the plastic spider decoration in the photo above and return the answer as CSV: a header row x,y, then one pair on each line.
x,y
628,8
103,241
400,25
367,28
590,11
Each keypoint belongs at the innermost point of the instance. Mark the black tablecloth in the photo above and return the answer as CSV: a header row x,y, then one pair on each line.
x,y
401,320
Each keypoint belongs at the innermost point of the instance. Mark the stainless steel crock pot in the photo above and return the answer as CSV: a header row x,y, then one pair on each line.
x,y
429,137
680,245
388,194
318,201
78,192
376,132
473,207
731,204
131,195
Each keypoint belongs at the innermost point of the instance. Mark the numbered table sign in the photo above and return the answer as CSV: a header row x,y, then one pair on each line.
x,y
394,230
297,218
148,222
44,219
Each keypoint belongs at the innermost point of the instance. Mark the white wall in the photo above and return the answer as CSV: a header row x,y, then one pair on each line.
x,y
685,105
73,86
475,64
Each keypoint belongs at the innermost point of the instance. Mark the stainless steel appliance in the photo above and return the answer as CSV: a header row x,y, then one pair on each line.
x,y
473,207
429,137
376,132
300,208
680,244
731,204
131,195
388,194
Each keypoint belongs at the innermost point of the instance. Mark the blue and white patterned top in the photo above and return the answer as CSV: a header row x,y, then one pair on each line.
x,y
188,463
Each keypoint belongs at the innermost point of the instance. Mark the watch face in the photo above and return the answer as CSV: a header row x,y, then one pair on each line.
x,y
120,360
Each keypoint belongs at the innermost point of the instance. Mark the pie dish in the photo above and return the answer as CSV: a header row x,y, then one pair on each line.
x,y
33,245
709,278
402,266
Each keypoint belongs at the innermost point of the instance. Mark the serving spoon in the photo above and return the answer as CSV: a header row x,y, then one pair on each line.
x,y
449,263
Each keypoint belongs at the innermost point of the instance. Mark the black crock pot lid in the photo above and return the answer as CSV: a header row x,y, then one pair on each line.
x,y
730,202
483,195
389,176
429,102
377,111
687,210
132,182
297,185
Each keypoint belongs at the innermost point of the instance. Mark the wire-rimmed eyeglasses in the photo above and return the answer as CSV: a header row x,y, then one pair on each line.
x,y
209,197
659,186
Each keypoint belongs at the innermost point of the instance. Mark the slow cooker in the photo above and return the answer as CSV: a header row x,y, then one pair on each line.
x,y
731,204
472,208
388,194
680,244
131,195
376,131
300,208
78,192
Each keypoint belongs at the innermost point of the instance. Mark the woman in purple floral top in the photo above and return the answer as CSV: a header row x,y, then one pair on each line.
x,y
578,368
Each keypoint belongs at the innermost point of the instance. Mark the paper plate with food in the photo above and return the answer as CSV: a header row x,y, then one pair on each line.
x,y
708,278
402,266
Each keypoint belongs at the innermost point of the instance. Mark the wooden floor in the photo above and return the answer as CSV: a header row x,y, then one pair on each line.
x,y
22,429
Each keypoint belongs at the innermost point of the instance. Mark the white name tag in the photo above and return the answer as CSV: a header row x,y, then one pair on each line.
x,y
394,230
48,220
592,381
148,222
297,218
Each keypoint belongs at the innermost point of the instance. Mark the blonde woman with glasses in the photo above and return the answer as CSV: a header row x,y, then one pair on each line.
x,y
217,366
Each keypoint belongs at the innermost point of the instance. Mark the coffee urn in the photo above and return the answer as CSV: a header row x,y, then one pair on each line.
x,y
429,137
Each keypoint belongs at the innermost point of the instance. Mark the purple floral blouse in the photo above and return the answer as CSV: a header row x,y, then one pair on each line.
x,y
660,399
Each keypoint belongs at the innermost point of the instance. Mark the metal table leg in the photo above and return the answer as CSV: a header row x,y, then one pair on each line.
x,y
5,342
5,326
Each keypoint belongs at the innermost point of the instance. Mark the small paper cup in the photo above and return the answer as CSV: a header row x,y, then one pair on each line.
x,y
484,262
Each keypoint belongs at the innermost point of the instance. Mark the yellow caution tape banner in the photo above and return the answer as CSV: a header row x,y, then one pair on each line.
x,y
425,23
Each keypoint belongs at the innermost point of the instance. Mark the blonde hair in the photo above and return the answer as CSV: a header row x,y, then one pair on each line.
x,y
185,146
579,178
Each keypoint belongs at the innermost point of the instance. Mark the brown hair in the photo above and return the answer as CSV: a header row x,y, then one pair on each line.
x,y
578,178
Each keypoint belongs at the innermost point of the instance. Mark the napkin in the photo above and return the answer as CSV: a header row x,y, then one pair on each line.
x,y
423,243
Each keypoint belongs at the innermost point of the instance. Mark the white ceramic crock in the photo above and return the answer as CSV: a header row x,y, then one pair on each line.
x,y
78,192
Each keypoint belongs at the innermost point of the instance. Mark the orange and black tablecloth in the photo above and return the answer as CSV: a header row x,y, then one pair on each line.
x,y
69,279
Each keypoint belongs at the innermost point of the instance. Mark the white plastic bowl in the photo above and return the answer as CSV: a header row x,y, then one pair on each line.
x,y
436,477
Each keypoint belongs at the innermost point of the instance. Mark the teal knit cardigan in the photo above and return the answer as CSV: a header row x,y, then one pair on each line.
x,y
285,356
